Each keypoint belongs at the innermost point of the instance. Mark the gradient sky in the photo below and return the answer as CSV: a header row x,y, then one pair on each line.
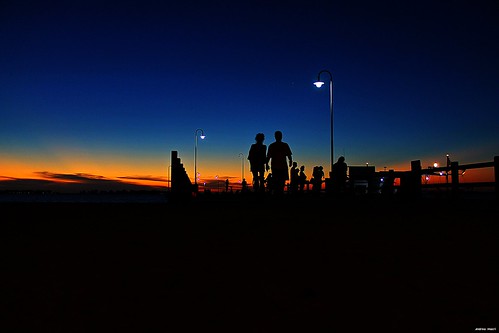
x,y
100,93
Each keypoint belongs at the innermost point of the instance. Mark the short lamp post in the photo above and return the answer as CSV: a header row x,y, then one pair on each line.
x,y
319,84
202,136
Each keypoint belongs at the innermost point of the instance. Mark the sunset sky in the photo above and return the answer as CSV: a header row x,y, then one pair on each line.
x,y
100,93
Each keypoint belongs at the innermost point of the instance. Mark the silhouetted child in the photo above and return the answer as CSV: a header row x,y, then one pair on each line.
x,y
244,185
302,178
269,183
294,181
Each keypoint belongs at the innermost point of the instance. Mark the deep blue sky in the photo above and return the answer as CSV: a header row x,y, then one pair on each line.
x,y
108,88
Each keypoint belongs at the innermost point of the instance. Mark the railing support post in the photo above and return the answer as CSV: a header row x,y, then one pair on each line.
x,y
454,168
415,178
496,175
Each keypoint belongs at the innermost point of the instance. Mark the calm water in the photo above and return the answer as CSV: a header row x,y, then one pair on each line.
x,y
84,197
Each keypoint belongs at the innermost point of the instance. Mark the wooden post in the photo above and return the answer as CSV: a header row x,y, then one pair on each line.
x,y
496,174
454,167
415,177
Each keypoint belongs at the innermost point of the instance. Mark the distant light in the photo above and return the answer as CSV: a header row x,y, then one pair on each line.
x,y
202,137
318,84
435,165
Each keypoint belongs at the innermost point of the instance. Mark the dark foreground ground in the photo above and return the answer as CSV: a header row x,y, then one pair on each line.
x,y
252,265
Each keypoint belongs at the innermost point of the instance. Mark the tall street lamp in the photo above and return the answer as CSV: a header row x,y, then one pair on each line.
x,y
319,84
202,136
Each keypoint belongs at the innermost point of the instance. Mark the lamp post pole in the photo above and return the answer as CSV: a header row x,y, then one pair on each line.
x,y
202,136
319,84
168,181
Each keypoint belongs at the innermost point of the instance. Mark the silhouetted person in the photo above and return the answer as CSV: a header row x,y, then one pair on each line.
x,y
244,185
227,185
302,178
317,175
339,175
257,157
278,154
269,182
294,181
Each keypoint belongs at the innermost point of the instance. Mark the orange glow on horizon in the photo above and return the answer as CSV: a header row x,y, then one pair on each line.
x,y
155,171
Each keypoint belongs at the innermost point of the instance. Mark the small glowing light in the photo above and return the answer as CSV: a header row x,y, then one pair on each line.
x,y
435,165
318,84
202,137
441,173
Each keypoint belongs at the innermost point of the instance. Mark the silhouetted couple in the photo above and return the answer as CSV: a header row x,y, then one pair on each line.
x,y
277,155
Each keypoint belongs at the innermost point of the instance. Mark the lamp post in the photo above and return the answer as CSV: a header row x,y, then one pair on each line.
x,y
168,181
202,136
242,166
319,84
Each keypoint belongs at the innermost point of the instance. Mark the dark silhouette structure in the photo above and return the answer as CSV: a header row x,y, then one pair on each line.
x,y
257,157
278,155
181,185
362,179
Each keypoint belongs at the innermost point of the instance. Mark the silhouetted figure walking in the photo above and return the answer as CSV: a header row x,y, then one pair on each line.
x,y
317,175
302,178
257,157
339,175
278,154
294,181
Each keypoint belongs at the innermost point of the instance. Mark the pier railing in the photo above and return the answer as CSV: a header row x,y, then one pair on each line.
x,y
411,182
